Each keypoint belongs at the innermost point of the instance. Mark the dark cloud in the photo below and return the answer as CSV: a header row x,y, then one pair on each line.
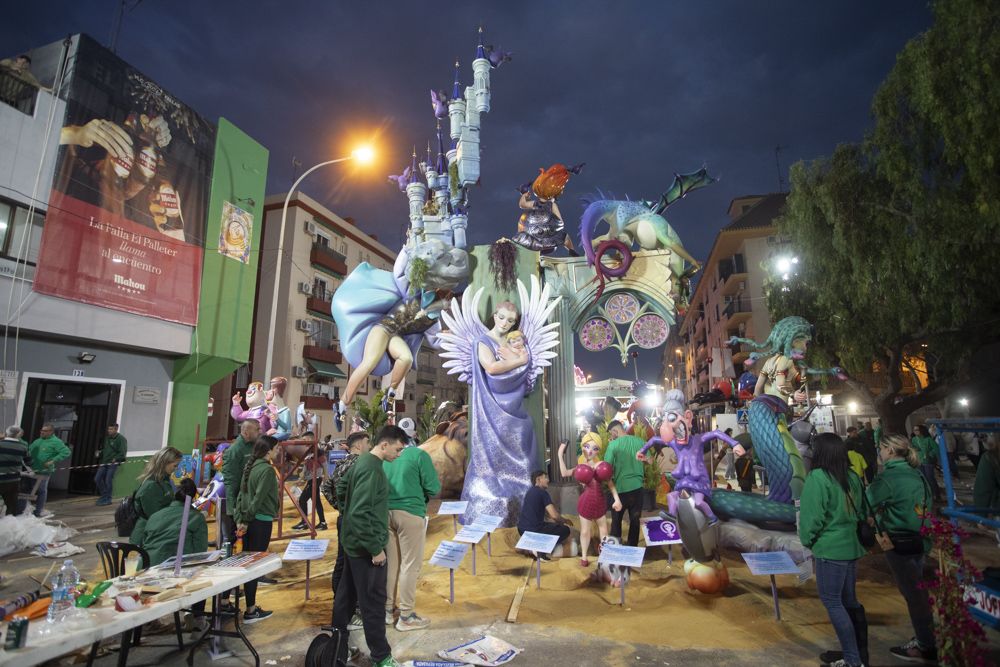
x,y
638,90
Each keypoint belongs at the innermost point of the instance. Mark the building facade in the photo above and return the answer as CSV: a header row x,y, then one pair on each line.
x,y
118,292
728,299
320,249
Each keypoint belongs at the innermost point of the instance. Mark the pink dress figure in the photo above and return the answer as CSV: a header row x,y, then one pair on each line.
x,y
591,505
256,407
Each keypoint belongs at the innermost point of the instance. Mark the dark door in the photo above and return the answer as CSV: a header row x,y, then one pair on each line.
x,y
80,413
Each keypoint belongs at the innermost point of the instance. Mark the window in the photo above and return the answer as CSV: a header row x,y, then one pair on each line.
x,y
324,333
20,240
321,289
322,240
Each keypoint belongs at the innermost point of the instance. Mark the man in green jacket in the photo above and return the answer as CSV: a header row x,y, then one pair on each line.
x,y
13,454
162,534
112,454
412,481
234,459
363,495
627,478
45,452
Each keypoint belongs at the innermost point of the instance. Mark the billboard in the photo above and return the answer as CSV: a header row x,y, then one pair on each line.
x,y
125,226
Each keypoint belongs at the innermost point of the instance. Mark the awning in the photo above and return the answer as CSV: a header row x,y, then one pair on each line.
x,y
327,369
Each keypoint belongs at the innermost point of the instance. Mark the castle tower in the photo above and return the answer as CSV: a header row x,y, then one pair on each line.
x,y
416,193
481,74
456,107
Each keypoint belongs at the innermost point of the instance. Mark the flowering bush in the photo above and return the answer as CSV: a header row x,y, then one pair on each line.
x,y
959,635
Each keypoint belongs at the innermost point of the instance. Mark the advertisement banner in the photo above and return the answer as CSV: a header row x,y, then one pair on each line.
x,y
236,233
125,226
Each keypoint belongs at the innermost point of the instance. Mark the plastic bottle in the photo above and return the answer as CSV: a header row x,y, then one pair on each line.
x,y
65,587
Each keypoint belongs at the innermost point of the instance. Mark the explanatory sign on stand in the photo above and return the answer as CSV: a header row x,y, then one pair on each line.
x,y
469,535
622,555
453,507
305,549
486,523
449,554
659,532
538,542
770,562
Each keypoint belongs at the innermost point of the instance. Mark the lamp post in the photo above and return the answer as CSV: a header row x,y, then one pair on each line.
x,y
362,155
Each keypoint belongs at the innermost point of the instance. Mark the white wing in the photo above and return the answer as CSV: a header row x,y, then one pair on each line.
x,y
458,341
540,338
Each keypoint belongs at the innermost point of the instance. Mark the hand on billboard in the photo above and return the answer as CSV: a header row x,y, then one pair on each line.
x,y
160,130
104,133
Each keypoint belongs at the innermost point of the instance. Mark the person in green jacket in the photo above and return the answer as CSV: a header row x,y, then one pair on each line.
x,y
986,490
412,482
927,452
162,530
112,454
831,505
256,507
13,455
155,490
45,452
363,496
628,476
234,460
900,499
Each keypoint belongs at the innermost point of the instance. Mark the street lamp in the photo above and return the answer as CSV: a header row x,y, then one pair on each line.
x,y
362,155
964,402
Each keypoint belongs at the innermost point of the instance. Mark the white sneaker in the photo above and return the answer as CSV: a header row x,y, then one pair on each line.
x,y
44,514
390,618
411,622
356,622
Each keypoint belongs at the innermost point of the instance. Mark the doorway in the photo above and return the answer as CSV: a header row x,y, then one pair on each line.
x,y
80,413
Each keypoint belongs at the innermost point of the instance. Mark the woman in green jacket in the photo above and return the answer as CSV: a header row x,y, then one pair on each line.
x,y
900,499
162,529
256,508
828,525
926,448
155,490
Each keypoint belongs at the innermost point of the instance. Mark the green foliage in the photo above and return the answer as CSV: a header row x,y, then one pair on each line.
x,y
651,470
425,422
897,235
371,412
418,274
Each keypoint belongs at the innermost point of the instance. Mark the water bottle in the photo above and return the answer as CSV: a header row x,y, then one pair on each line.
x,y
65,587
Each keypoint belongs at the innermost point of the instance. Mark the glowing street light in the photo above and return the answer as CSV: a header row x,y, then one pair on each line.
x,y
361,155
964,402
852,407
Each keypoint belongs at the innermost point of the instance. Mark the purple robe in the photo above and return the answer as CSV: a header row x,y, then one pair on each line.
x,y
502,447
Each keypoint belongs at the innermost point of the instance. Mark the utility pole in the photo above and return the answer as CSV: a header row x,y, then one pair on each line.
x,y
777,164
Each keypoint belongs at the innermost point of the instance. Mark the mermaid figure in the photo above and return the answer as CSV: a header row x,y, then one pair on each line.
x,y
591,505
502,368
541,226
782,379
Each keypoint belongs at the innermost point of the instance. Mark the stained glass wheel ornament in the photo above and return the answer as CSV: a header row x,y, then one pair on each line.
x,y
622,308
597,334
650,331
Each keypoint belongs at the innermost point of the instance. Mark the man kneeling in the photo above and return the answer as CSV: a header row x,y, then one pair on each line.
x,y
537,503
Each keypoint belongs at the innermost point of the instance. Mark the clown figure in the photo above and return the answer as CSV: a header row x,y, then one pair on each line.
x,y
690,474
278,412
256,407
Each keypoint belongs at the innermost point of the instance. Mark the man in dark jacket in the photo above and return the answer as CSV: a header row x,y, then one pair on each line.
x,y
863,442
112,454
363,496
13,456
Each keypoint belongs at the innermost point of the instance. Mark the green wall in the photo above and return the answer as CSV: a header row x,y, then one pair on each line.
x,y
527,266
221,341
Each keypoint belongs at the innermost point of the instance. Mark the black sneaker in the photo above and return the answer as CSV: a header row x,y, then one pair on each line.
x,y
912,652
301,525
227,608
321,525
257,614
827,657
267,581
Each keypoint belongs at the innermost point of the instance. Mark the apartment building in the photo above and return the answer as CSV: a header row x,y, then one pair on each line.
x,y
320,249
729,297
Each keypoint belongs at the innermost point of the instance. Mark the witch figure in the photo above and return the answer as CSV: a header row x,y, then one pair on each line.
x,y
501,364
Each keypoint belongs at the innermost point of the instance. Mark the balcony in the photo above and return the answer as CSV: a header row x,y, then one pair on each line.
x,y
428,377
326,258
18,93
736,311
319,300
317,402
329,354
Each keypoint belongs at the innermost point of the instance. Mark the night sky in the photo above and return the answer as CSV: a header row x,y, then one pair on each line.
x,y
637,90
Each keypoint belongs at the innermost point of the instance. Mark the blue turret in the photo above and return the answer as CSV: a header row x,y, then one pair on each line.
x,y
480,50
456,89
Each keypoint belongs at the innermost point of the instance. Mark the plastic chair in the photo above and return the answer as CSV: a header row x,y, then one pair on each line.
x,y
113,558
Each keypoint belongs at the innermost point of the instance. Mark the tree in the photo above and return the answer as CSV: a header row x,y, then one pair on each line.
x,y
898,235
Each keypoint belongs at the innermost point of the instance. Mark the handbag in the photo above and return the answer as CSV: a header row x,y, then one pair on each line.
x,y
126,516
866,532
909,542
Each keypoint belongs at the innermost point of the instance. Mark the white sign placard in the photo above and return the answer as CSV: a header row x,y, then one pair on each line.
x,y
449,554
540,542
453,507
657,532
8,384
771,562
487,523
305,549
470,535
620,554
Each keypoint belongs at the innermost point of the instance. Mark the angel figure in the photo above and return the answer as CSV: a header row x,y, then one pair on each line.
x,y
501,364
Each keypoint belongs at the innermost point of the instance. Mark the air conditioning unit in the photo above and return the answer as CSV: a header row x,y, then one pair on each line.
x,y
300,371
306,288
304,325
311,228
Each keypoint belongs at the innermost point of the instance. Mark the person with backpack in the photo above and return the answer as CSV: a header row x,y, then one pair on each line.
x,y
357,444
831,507
900,499
256,508
155,489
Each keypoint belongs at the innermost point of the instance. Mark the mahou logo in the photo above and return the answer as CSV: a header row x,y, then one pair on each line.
x,y
129,283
